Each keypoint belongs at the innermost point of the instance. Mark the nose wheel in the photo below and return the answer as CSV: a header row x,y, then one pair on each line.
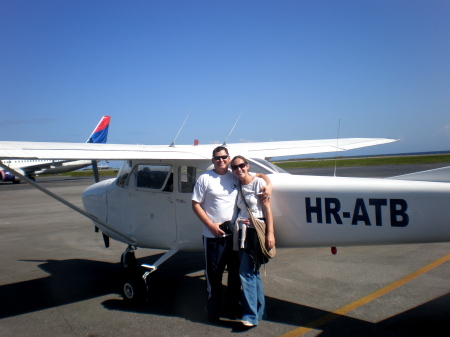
x,y
135,286
134,289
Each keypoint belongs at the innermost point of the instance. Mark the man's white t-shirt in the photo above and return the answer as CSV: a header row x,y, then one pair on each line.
x,y
217,195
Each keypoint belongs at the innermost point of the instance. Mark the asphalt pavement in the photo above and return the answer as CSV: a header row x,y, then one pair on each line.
x,y
58,279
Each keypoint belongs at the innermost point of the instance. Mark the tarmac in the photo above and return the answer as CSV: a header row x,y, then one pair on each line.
x,y
58,279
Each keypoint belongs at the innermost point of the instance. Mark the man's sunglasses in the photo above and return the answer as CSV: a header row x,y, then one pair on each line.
x,y
220,157
235,167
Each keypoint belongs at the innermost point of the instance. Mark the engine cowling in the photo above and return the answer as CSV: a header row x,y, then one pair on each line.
x,y
8,176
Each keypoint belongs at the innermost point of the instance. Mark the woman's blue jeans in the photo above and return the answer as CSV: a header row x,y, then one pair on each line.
x,y
253,304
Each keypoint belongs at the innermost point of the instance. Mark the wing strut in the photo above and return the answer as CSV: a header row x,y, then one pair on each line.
x,y
161,260
95,171
130,241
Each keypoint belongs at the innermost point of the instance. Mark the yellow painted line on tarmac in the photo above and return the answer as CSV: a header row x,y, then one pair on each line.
x,y
358,303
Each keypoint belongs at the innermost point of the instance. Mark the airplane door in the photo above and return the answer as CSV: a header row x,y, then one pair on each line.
x,y
148,202
189,226
117,200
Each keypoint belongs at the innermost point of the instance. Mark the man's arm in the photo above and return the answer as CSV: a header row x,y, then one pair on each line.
x,y
270,237
201,214
267,189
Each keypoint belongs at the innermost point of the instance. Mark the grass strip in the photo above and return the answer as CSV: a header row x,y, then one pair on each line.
x,y
366,161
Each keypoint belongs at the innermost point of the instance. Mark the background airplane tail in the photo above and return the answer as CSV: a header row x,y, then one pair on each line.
x,y
100,133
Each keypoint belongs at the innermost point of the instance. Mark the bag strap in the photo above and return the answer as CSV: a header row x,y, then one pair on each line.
x,y
245,202
260,227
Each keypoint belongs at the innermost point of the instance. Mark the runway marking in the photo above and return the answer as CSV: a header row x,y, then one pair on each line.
x,y
362,301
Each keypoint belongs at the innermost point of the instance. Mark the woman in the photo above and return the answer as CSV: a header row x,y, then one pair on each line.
x,y
253,304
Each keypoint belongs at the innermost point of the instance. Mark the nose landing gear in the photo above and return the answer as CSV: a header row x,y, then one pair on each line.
x,y
135,286
128,260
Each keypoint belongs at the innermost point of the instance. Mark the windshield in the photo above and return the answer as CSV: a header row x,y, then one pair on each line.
x,y
263,166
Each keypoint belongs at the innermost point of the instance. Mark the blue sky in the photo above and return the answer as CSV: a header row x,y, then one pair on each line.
x,y
292,68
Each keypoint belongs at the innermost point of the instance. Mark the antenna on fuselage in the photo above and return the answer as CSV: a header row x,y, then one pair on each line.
x,y
337,146
225,142
173,143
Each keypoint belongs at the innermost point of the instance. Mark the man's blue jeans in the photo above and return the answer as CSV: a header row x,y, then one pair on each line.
x,y
253,304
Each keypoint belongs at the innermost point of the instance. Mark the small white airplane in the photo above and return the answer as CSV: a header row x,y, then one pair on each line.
x,y
148,205
34,167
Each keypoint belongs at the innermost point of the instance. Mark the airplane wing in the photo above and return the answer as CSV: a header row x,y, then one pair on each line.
x,y
267,150
93,151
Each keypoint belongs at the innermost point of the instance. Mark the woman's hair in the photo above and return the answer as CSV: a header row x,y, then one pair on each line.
x,y
239,157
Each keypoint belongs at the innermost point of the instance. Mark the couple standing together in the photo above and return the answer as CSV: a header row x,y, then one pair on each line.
x,y
218,198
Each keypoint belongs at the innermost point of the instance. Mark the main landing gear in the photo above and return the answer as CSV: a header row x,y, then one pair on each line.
x,y
135,286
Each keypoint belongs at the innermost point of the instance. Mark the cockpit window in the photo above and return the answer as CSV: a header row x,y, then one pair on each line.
x,y
263,166
124,173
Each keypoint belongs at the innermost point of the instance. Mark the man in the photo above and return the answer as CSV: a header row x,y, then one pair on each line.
x,y
213,201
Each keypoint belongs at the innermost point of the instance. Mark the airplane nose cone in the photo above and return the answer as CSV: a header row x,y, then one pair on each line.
x,y
94,199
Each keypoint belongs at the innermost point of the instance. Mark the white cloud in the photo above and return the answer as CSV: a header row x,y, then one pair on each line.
x,y
445,130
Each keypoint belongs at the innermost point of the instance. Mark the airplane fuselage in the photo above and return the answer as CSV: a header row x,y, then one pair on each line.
x,y
308,211
335,211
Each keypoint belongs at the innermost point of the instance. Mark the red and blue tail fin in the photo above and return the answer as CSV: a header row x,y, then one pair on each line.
x,y
100,133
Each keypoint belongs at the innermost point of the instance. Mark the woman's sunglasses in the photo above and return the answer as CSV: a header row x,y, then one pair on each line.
x,y
235,167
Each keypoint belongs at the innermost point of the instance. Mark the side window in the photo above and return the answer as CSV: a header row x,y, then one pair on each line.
x,y
187,177
152,176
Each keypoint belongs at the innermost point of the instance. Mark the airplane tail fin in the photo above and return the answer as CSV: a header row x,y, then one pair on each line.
x,y
100,133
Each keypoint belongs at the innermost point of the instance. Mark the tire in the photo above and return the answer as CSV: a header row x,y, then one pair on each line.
x,y
134,290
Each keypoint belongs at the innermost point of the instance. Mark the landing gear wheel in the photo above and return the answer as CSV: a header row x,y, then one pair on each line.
x,y
128,261
134,290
